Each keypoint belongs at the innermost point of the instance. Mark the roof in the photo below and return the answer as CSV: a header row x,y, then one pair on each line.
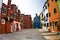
x,y
45,3
4,5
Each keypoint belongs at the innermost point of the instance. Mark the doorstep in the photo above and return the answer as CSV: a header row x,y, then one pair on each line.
x,y
52,37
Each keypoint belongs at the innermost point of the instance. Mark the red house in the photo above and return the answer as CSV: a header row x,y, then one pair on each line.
x,y
27,21
10,18
3,15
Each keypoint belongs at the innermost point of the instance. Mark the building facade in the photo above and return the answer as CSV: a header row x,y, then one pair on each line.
x,y
54,16
37,23
10,18
3,15
27,22
15,16
22,20
42,19
46,17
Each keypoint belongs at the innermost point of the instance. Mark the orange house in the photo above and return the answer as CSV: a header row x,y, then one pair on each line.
x,y
53,15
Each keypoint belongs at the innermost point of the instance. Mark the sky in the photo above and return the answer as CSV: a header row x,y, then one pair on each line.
x,y
0,3
29,7
0,7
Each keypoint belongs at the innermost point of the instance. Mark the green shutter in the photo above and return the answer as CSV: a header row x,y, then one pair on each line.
x,y
58,2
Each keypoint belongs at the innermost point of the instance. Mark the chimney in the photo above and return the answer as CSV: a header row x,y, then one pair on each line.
x,y
19,12
9,3
9,8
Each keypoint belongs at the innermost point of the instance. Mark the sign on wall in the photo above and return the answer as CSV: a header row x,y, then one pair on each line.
x,y
2,21
58,2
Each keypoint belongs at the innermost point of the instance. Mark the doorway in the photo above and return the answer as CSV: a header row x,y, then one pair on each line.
x,y
52,26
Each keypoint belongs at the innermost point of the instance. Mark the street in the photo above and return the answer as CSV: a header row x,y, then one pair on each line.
x,y
25,34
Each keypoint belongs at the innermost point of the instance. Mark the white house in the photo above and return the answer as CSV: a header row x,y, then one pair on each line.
x,y
46,16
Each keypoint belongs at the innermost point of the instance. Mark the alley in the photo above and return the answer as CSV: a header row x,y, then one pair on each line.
x,y
25,34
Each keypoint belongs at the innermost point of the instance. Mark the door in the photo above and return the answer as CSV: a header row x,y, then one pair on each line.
x,y
52,27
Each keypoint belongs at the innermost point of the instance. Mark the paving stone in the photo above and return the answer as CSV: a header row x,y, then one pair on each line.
x,y
25,34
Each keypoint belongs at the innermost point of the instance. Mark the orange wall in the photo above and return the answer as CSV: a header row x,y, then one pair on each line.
x,y
53,16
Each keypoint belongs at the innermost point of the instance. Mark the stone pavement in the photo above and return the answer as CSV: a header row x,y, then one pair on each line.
x,y
48,35
25,34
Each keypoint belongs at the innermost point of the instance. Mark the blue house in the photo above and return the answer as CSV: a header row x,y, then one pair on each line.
x,y
37,23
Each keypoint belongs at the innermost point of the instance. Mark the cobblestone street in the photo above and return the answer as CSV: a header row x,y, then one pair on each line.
x,y
25,34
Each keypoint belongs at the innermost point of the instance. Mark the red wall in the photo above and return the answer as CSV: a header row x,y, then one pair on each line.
x,y
27,21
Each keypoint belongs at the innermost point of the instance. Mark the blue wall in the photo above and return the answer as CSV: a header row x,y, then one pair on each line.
x,y
37,23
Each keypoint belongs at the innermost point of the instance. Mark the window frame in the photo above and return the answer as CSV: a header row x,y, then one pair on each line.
x,y
55,11
50,23
48,4
56,23
4,10
49,14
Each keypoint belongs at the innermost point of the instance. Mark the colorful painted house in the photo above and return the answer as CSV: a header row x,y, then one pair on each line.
x,y
37,23
3,15
27,22
42,19
46,17
15,16
22,20
53,15
10,18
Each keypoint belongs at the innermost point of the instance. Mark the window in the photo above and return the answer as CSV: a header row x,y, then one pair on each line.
x,y
48,4
53,24
56,23
55,11
44,24
49,14
17,24
3,11
46,7
50,23
15,16
47,24
47,0
46,19
42,15
12,15
52,0
55,0
16,8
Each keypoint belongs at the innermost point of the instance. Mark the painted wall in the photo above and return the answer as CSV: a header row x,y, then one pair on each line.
x,y
27,21
46,19
54,16
37,23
